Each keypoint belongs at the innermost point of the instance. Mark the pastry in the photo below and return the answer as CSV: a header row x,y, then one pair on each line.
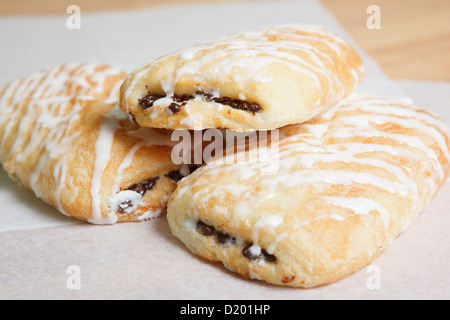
x,y
259,80
63,136
346,184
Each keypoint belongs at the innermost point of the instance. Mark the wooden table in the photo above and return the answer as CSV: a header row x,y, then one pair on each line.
x,y
412,43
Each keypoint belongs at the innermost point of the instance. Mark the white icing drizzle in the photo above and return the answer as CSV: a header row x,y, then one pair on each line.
x,y
147,137
103,147
314,157
405,140
405,123
124,165
336,177
305,49
116,201
271,222
42,111
273,246
360,206
55,96
130,87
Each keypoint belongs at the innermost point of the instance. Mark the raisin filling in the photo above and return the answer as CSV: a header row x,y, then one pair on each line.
x,y
177,176
180,100
144,186
204,229
149,184
140,188
148,101
124,206
224,238
175,107
262,255
233,103
183,98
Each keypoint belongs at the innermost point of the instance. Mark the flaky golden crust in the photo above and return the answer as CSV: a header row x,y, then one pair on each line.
x,y
63,136
343,187
258,80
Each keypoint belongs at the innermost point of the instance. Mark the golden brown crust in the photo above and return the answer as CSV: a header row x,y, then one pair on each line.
x,y
249,81
63,136
345,185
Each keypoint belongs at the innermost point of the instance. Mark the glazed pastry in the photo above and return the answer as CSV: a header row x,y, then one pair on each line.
x,y
63,136
346,184
258,80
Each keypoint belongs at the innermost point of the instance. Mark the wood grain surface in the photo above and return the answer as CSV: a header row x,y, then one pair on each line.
x,y
412,43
